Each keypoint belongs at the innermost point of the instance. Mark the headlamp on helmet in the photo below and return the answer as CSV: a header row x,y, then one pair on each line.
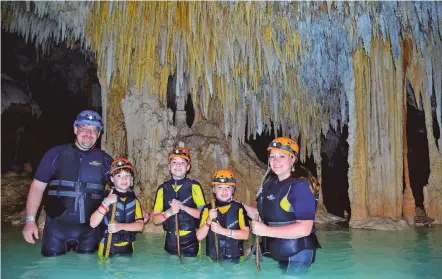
x,y
180,152
285,145
224,176
89,117
121,163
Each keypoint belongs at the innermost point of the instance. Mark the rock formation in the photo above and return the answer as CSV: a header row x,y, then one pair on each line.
x,y
254,67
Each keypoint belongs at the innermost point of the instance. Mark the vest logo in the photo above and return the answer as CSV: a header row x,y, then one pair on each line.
x,y
117,213
186,200
271,197
95,163
233,224
130,212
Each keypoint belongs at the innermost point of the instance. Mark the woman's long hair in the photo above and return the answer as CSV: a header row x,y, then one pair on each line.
x,y
302,172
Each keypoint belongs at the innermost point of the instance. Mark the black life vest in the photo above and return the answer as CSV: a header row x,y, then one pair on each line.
x,y
273,215
125,214
76,187
229,248
186,222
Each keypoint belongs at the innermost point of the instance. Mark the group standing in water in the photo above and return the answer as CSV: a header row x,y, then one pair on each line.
x,y
81,216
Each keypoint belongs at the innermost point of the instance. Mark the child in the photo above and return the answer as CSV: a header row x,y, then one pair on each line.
x,y
232,225
179,200
128,217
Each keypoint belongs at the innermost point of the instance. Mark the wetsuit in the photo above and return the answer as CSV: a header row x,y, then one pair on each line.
x,y
190,193
231,215
128,211
282,203
75,182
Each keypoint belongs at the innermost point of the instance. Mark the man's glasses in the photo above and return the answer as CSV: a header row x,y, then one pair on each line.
x,y
85,129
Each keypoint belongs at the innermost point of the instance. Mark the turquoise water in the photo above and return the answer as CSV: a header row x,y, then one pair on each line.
x,y
344,254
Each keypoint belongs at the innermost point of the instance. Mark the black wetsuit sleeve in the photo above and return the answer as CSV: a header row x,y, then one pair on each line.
x,y
48,165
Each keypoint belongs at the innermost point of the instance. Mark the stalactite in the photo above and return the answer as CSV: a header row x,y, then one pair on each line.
x,y
292,65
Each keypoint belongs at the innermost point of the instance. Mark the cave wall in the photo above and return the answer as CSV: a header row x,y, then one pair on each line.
x,y
303,66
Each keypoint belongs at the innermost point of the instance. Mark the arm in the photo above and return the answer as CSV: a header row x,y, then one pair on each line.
x,y
159,217
44,172
203,230
194,212
146,216
251,211
97,217
136,226
157,212
99,214
293,231
241,234
34,197
32,204
198,198
244,232
301,201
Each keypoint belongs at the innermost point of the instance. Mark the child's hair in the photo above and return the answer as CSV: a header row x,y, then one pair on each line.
x,y
121,170
303,172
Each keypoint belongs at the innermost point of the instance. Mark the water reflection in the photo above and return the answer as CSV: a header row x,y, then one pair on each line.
x,y
344,254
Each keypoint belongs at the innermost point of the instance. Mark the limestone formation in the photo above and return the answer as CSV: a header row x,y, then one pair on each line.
x,y
323,217
380,223
14,191
255,67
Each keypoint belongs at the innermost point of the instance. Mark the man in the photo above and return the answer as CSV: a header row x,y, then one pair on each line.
x,y
75,176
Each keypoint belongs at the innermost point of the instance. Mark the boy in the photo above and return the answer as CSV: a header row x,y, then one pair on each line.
x,y
179,201
231,226
128,217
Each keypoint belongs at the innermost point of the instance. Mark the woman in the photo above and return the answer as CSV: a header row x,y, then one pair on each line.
x,y
286,207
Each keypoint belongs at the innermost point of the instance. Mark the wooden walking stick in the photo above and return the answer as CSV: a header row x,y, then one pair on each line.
x,y
257,259
177,233
216,236
109,235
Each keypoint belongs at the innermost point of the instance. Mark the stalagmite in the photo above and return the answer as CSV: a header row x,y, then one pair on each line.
x,y
357,139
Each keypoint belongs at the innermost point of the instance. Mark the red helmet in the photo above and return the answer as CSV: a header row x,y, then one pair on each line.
x,y
285,145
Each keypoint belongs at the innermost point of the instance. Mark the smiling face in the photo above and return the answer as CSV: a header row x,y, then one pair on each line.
x,y
223,192
122,180
178,167
86,136
281,163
